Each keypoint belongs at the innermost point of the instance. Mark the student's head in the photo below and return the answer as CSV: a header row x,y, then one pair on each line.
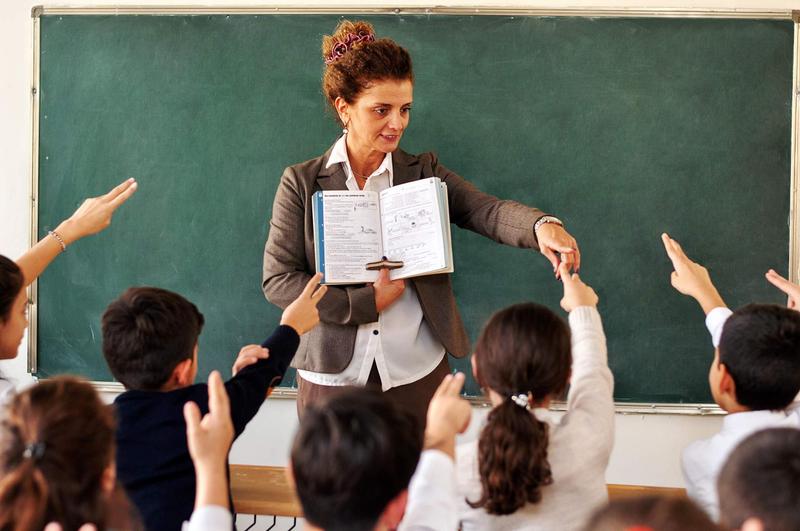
x,y
651,513
56,457
759,486
369,84
523,358
150,339
757,364
352,459
13,308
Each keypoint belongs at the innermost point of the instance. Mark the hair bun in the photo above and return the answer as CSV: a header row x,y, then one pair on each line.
x,y
347,36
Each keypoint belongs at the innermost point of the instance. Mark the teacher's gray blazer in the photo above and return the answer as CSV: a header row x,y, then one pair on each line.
x,y
289,256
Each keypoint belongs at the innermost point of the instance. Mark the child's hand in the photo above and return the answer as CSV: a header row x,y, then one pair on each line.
x,y
248,356
95,213
302,313
791,289
210,438
691,278
448,415
576,293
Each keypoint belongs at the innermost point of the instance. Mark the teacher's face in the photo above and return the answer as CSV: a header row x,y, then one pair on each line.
x,y
377,119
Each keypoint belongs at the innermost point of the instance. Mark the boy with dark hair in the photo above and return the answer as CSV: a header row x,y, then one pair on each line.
x,y
755,375
150,344
759,486
354,458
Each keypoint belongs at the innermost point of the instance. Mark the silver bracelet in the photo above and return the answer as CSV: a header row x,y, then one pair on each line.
x,y
546,219
58,238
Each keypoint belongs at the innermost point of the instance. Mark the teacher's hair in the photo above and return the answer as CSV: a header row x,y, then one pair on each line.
x,y
11,282
57,443
523,350
354,59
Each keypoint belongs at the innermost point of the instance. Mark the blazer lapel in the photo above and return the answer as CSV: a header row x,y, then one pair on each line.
x,y
406,167
332,178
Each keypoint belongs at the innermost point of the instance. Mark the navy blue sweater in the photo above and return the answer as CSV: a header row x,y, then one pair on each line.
x,y
153,460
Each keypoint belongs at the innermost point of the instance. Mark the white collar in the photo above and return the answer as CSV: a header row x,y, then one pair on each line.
x,y
339,156
747,420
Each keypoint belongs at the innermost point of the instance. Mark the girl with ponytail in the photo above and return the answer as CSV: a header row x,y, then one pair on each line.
x,y
529,470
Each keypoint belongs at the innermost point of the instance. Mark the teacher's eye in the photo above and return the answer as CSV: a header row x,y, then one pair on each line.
x,y
405,110
381,111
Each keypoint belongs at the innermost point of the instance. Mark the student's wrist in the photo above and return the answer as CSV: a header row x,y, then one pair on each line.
x,y
443,442
709,300
68,231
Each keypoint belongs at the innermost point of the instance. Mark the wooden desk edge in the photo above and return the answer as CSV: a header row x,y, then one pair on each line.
x,y
265,490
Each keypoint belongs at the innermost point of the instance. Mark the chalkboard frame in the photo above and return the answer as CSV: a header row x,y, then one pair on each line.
x,y
694,409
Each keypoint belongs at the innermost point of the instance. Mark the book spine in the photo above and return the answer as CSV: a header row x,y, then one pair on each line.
x,y
317,209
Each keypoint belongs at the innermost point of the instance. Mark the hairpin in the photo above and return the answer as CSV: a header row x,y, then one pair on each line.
x,y
34,451
342,47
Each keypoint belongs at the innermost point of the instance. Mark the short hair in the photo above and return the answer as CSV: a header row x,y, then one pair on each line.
x,y
57,442
762,479
360,61
11,283
657,513
352,455
760,346
147,332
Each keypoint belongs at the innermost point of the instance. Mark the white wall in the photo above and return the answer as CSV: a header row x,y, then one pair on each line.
x,y
647,446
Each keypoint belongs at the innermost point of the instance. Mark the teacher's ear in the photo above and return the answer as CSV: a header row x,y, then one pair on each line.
x,y
342,109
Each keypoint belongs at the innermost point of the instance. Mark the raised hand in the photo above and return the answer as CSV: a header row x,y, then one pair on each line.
x,y
576,293
691,278
302,313
448,415
558,246
95,213
248,355
791,289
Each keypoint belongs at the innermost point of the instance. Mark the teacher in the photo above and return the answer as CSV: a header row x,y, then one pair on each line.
x,y
391,334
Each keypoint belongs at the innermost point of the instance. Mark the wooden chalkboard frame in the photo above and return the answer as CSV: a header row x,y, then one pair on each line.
x,y
697,409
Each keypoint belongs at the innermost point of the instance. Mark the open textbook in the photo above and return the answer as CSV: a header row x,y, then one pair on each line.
x,y
408,223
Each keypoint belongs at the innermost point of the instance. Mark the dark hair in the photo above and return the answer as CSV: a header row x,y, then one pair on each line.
x,y
362,62
761,479
352,455
147,332
760,346
11,283
57,441
523,349
659,513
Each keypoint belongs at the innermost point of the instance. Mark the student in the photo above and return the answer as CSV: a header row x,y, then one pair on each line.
x,y
529,470
755,374
150,344
57,460
355,454
651,513
759,486
93,216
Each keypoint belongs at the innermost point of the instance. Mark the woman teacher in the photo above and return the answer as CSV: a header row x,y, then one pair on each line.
x,y
394,334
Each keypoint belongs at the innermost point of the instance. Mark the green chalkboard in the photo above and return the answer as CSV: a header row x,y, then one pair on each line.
x,y
623,127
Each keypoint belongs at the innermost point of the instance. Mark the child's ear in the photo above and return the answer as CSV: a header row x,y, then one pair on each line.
x,y
752,524
726,384
109,478
183,374
393,513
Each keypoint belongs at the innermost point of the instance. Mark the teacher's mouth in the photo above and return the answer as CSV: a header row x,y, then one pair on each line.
x,y
391,138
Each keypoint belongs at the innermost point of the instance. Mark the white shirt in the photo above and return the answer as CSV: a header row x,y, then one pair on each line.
x,y
400,342
210,518
432,495
578,451
703,459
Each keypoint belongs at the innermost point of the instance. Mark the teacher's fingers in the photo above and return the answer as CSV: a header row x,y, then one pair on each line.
x,y
551,256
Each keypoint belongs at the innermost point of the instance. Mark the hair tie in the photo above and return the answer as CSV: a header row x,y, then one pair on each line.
x,y
34,451
523,400
342,47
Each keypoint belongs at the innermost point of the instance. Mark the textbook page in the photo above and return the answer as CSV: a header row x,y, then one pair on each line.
x,y
412,221
347,235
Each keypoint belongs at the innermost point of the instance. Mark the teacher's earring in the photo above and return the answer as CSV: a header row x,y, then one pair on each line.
x,y
345,130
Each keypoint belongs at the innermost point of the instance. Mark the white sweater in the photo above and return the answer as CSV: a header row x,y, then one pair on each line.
x,y
579,448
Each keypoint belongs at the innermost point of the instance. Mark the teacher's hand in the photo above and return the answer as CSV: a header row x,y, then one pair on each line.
x,y
387,291
555,241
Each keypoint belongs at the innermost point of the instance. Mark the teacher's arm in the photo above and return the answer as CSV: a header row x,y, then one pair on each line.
x,y
287,269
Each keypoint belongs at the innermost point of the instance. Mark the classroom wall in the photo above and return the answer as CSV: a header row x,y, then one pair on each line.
x,y
647,446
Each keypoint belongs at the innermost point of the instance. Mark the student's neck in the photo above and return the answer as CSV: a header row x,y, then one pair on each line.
x,y
171,386
363,160
731,406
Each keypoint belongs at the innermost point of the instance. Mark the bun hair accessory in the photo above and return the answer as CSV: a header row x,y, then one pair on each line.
x,y
342,47
523,400
34,451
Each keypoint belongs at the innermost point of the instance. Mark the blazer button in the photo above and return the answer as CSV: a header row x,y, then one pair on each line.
x,y
375,332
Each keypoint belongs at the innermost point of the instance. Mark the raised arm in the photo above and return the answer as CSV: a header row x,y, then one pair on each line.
x,y
93,216
288,268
